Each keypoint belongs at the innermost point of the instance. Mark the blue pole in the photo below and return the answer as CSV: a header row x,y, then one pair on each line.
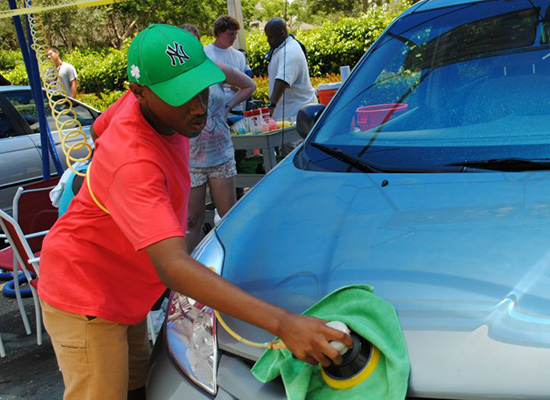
x,y
36,88
46,138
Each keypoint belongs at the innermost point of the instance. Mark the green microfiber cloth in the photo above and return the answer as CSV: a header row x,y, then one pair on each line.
x,y
369,316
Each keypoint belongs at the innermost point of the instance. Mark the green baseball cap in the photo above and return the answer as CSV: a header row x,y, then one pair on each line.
x,y
172,63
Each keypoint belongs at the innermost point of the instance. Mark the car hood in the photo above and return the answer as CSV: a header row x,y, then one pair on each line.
x,y
464,259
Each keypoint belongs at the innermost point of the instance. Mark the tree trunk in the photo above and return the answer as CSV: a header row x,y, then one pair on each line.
x,y
130,28
117,40
66,40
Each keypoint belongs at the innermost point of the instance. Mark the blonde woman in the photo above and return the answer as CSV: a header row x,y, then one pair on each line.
x,y
212,157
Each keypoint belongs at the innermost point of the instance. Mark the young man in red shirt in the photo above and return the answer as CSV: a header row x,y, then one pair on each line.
x,y
102,268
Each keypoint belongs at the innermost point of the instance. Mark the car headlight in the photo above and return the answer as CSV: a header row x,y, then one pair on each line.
x,y
191,326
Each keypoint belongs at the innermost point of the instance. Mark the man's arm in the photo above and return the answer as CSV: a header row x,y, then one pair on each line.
x,y
242,84
306,337
74,86
278,89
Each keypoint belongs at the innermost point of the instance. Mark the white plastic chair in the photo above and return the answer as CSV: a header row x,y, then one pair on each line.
x,y
42,213
37,211
12,266
26,260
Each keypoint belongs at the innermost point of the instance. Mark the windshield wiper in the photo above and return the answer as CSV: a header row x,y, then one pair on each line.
x,y
507,164
350,160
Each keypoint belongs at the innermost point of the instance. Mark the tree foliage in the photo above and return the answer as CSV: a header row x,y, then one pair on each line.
x,y
295,13
350,8
102,69
110,25
334,43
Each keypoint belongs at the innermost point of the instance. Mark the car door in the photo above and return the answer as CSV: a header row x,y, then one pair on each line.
x,y
24,102
20,161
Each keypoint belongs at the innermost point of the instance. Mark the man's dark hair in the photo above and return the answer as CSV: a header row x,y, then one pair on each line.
x,y
225,22
278,25
55,49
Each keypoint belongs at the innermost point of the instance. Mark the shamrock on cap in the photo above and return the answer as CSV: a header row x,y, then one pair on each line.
x,y
135,71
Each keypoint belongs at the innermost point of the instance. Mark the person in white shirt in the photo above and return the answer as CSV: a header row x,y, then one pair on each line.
x,y
67,73
289,82
225,31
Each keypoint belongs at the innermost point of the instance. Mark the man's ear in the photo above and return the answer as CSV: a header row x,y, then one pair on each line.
x,y
140,92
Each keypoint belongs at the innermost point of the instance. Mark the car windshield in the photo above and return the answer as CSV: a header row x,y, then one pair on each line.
x,y
456,89
23,102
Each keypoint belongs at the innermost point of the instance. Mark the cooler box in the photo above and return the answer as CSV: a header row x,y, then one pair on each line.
x,y
325,91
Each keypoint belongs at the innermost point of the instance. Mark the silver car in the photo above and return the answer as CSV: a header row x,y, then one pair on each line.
x,y
20,147
427,177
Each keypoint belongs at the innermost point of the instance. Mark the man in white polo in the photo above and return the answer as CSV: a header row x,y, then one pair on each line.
x,y
289,83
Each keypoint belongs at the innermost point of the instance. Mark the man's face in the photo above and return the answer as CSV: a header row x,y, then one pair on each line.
x,y
187,120
274,37
227,38
53,55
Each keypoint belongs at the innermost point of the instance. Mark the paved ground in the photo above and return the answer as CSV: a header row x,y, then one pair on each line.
x,y
28,371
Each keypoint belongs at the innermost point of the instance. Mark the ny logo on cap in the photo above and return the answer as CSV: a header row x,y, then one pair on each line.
x,y
177,54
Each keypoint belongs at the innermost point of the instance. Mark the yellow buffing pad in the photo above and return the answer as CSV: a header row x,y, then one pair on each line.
x,y
361,376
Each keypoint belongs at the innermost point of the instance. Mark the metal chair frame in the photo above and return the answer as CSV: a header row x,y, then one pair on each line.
x,y
15,210
26,260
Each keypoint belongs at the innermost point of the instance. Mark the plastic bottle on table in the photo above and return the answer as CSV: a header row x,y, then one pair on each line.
x,y
265,114
256,126
265,119
271,123
248,121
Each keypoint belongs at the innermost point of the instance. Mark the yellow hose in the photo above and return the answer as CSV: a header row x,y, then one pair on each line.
x,y
94,198
275,344
70,128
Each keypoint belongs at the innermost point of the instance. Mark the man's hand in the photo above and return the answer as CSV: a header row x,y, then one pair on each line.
x,y
308,339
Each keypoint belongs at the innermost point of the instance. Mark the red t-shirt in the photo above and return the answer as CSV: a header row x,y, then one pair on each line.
x,y
93,263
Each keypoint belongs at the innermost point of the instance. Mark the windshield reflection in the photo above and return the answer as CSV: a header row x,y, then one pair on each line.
x,y
443,87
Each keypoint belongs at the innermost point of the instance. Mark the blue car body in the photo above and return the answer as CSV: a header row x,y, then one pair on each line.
x,y
443,208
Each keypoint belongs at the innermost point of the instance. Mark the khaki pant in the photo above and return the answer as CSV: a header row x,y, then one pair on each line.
x,y
99,359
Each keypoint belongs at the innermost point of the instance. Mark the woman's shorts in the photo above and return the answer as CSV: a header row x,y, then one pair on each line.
x,y
199,176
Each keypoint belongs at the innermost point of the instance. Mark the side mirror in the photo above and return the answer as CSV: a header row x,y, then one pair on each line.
x,y
306,118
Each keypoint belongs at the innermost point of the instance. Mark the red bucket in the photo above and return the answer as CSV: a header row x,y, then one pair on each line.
x,y
370,116
326,95
326,91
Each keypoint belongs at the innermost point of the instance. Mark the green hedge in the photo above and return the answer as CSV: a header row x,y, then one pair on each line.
x,y
102,73
9,59
98,71
333,44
